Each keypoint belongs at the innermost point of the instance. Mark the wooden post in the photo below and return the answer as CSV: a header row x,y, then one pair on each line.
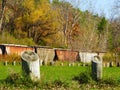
x,y
30,65
108,64
78,64
41,62
61,64
73,64
83,64
69,64
97,68
5,63
118,64
14,63
52,63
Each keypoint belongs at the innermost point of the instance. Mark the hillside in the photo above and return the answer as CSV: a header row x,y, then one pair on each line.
x,y
56,24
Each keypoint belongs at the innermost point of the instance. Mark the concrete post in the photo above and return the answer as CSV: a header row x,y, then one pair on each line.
x,y
14,63
30,65
97,68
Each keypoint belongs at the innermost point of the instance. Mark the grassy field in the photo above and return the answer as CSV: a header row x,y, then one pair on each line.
x,y
64,73
48,73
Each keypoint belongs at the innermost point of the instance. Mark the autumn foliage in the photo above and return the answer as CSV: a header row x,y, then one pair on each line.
x,y
55,24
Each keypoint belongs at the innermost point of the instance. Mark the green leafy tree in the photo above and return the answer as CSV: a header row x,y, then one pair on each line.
x,y
102,26
102,33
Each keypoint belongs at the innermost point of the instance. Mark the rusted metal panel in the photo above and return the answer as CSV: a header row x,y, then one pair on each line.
x,y
67,55
15,49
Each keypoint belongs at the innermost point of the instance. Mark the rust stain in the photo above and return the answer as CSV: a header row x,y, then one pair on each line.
x,y
67,55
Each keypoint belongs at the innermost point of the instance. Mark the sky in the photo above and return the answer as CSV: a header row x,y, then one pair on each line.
x,y
100,7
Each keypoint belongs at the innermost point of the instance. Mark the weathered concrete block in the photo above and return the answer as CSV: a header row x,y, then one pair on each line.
x,y
45,54
86,57
30,65
97,68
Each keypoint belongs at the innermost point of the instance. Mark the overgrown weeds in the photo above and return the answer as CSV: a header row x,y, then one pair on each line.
x,y
48,81
17,80
83,78
10,58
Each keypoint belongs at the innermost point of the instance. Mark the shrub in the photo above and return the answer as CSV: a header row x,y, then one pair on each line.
x,y
57,84
11,58
84,77
109,81
6,37
109,57
26,41
60,83
14,78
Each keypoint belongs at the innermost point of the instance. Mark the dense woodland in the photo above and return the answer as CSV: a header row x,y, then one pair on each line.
x,y
57,24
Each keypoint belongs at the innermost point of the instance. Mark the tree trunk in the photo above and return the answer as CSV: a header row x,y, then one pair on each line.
x,y
2,14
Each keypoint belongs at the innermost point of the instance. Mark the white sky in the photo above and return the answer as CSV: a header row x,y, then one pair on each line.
x,y
100,7
104,7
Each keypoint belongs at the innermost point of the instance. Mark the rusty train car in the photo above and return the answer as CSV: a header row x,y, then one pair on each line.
x,y
66,55
48,54
13,49
45,53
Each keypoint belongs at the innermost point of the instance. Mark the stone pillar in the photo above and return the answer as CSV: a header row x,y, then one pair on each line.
x,y
30,65
97,68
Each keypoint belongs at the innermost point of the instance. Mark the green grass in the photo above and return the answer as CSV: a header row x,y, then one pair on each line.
x,y
48,73
51,73
62,73
113,72
7,70
65,73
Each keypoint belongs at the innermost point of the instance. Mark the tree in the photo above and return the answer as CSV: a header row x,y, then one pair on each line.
x,y
102,33
69,21
115,30
12,9
3,5
115,27
38,20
